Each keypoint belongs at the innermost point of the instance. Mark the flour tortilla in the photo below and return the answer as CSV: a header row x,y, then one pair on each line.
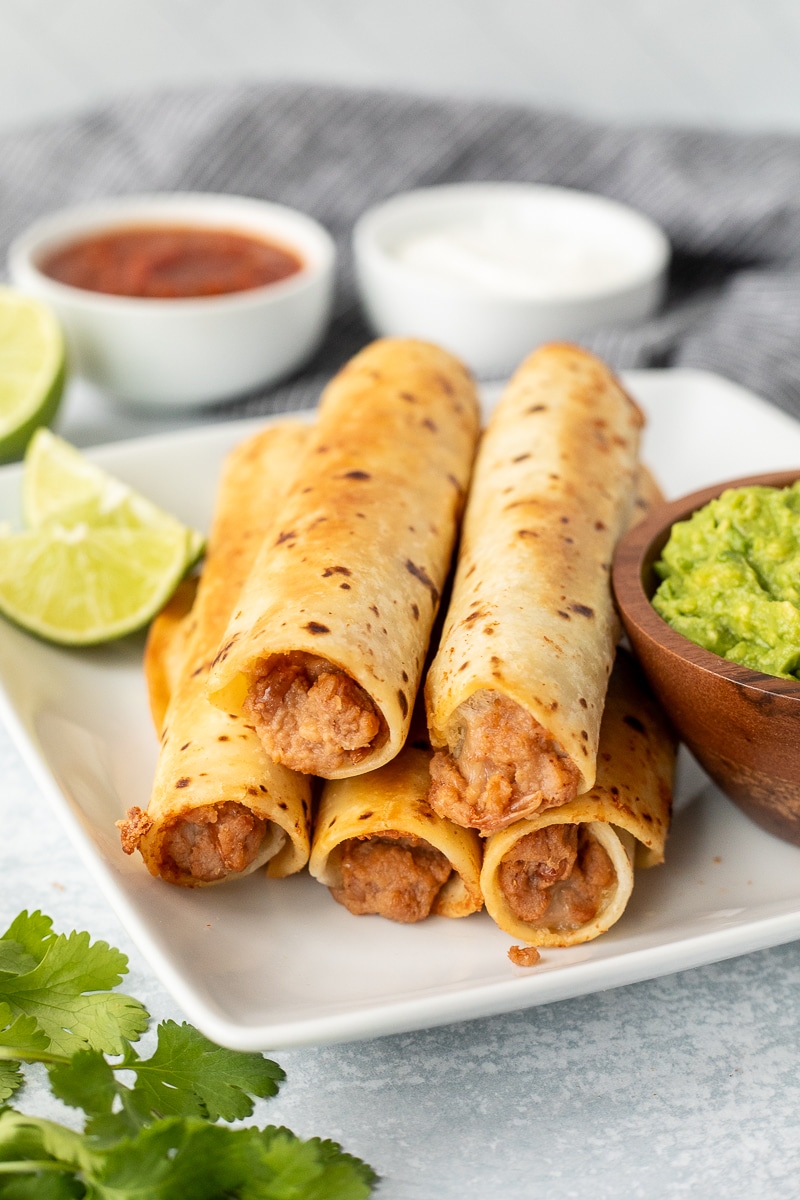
x,y
531,617
394,798
353,572
209,757
627,810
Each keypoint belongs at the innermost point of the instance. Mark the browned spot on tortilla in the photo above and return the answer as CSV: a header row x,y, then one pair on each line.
x,y
422,575
223,737
365,816
356,475
186,745
446,385
537,408
282,804
223,654
429,424
521,457
584,735
599,525
184,782
582,610
523,533
415,611
374,608
563,614
316,627
345,587
285,537
409,397
634,723
583,703
401,696
405,677
336,571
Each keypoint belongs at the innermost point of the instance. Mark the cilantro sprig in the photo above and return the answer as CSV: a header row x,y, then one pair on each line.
x,y
157,1137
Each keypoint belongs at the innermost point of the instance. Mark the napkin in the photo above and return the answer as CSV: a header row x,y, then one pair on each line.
x,y
729,203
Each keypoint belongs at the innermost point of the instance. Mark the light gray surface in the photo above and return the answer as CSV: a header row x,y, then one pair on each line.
x,y
684,1086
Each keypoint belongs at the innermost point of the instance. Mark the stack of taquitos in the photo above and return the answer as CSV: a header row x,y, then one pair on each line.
x,y
219,806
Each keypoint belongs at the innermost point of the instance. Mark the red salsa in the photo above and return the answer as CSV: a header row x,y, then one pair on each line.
x,y
170,262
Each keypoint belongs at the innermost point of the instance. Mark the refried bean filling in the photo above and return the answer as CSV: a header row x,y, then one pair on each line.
x,y
390,874
214,840
556,877
504,766
312,716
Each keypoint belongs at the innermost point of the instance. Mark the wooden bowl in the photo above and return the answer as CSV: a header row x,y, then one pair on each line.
x,y
741,725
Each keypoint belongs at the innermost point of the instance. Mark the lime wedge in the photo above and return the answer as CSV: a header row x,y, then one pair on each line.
x,y
83,584
60,484
32,369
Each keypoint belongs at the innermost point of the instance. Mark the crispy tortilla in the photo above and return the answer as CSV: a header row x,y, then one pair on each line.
x,y
326,647
378,843
544,879
220,808
515,694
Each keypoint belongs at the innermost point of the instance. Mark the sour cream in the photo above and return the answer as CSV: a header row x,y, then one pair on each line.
x,y
491,270
504,254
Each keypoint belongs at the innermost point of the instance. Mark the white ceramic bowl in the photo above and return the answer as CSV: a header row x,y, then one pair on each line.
x,y
183,353
590,263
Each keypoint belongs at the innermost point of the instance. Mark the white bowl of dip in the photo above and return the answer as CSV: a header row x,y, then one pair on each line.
x,y
185,352
491,270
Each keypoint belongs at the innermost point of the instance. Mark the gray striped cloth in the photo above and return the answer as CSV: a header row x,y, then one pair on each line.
x,y
730,204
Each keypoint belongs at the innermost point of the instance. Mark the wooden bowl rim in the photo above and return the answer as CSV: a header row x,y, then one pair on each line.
x,y
634,604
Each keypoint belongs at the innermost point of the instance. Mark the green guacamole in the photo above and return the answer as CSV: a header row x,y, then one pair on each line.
x,y
731,578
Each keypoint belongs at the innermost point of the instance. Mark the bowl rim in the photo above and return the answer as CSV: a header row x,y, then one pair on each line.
x,y
368,233
635,553
72,222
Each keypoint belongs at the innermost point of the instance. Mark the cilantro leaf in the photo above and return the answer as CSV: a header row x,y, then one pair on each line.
x,y
185,1157
86,1081
19,1038
31,931
67,991
41,1185
10,1079
34,1139
15,959
187,1075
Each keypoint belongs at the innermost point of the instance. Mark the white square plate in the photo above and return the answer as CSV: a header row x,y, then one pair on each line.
x,y
261,964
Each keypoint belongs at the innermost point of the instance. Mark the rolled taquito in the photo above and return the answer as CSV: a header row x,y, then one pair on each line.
x,y
381,849
220,807
515,693
325,650
165,649
565,875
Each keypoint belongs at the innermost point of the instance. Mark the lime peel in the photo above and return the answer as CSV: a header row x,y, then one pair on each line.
x,y
32,370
